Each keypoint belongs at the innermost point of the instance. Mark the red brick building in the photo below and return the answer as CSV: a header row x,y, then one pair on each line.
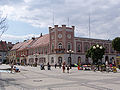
x,y
4,49
54,47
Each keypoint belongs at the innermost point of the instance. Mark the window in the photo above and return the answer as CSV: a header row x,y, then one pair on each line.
x,y
35,50
42,50
60,45
46,51
69,46
52,60
86,47
106,48
59,60
52,47
78,48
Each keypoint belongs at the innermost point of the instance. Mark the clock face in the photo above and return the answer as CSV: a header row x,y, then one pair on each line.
x,y
59,35
69,36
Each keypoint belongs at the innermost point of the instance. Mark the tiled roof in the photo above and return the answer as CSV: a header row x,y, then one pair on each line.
x,y
25,44
17,46
44,40
39,41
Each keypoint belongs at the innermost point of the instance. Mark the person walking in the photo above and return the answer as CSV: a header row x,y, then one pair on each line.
x,y
48,66
11,68
55,65
68,68
63,67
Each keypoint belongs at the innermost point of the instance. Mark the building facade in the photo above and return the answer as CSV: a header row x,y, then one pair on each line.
x,y
4,49
58,46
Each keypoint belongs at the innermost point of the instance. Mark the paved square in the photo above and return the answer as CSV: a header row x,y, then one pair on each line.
x,y
32,78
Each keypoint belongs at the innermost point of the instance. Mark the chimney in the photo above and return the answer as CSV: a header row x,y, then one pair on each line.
x,y
41,35
55,26
33,38
17,42
73,27
63,25
25,40
9,42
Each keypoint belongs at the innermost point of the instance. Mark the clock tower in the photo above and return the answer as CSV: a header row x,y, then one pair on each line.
x,y
61,39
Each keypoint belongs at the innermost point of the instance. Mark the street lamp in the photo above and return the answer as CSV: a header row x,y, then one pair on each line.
x,y
69,58
36,58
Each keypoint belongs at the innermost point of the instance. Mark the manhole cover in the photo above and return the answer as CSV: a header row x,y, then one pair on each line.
x,y
37,80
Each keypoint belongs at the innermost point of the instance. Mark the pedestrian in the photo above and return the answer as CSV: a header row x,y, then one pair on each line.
x,y
107,66
40,66
55,65
68,68
48,66
63,67
12,67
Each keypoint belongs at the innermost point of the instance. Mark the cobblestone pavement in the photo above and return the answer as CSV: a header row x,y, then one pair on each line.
x,y
32,78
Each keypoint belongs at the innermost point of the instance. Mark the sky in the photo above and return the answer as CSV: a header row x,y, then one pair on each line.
x,y
30,18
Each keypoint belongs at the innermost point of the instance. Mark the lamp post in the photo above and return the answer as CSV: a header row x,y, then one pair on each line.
x,y
69,58
36,59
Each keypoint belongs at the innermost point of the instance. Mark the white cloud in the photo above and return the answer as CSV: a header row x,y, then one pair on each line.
x,y
16,38
39,13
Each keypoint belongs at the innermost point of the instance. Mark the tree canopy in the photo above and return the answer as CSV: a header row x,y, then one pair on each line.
x,y
96,52
116,44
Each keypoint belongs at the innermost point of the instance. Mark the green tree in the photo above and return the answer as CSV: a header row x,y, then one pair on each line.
x,y
116,44
96,52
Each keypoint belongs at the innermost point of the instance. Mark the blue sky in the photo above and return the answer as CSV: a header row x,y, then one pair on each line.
x,y
28,18
22,28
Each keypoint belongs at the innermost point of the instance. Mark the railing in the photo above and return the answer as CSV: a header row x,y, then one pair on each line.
x,y
60,51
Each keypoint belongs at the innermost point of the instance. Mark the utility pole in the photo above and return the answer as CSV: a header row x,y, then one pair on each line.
x,y
68,21
89,24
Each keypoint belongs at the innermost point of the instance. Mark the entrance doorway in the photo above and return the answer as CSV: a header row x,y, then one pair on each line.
x,y
107,59
60,60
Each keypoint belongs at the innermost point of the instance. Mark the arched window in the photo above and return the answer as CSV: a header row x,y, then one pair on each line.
x,y
59,60
106,59
60,46
52,59
69,46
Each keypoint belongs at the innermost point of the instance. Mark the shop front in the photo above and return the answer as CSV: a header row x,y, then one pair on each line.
x,y
118,61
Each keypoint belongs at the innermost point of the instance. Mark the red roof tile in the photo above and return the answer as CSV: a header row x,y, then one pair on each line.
x,y
44,40
17,46
40,41
25,44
